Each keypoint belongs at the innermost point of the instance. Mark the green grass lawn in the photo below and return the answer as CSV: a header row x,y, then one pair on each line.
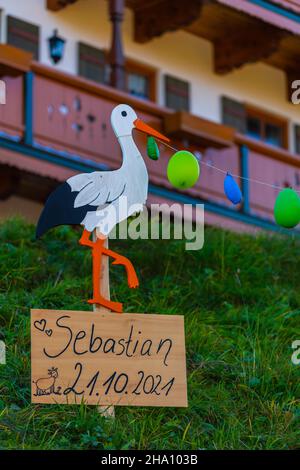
x,y
240,296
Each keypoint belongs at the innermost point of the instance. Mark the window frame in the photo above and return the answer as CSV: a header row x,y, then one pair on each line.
x,y
25,34
134,66
100,50
186,82
266,117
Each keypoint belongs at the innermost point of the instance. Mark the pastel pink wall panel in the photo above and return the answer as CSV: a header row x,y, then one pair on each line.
x,y
262,168
11,113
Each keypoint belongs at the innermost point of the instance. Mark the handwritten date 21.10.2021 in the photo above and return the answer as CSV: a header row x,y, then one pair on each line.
x,y
119,383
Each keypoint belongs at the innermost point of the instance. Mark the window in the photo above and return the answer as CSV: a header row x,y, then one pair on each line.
x,y
234,114
23,35
140,80
253,127
255,122
266,127
92,63
177,94
137,85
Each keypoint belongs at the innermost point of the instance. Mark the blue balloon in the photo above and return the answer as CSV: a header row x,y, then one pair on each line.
x,y
232,190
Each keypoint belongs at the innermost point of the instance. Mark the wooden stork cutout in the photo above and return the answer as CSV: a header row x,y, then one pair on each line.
x,y
101,199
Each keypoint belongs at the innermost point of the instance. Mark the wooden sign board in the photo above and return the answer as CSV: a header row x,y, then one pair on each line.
x,y
107,358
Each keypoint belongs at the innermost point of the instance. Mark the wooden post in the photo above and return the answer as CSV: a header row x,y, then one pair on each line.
x,y
116,55
244,154
108,412
28,108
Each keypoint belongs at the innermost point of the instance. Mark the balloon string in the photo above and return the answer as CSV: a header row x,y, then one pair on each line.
x,y
251,180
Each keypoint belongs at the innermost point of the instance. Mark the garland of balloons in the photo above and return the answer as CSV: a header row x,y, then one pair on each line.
x,y
183,172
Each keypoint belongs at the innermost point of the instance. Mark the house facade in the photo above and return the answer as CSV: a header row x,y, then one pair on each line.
x,y
217,76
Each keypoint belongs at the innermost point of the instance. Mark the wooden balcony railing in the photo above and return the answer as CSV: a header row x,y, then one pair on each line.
x,y
68,118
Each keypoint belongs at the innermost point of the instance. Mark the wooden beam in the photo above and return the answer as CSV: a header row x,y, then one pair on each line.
x,y
14,61
116,54
245,46
183,125
56,5
156,17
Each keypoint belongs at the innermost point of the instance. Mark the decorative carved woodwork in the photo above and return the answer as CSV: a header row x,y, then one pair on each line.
x,y
116,55
245,46
154,18
56,5
238,35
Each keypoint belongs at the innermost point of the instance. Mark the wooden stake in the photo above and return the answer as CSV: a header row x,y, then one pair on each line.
x,y
107,411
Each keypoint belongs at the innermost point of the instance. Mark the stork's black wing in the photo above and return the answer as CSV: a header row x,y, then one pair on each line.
x,y
59,210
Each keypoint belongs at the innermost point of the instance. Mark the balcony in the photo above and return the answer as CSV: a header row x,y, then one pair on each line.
x,y
57,124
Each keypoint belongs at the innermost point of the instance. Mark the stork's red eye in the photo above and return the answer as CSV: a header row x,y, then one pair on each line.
x,y
124,114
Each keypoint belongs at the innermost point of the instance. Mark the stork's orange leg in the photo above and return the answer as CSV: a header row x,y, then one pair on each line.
x,y
132,278
85,239
99,249
97,252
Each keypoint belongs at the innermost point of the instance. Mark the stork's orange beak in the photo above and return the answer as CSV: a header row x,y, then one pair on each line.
x,y
143,127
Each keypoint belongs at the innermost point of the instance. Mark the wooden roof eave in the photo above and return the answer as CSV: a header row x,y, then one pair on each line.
x,y
241,32
153,18
267,16
56,5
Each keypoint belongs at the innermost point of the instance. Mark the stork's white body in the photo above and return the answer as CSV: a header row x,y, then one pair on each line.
x,y
119,193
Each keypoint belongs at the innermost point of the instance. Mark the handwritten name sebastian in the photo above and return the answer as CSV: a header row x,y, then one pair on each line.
x,y
88,341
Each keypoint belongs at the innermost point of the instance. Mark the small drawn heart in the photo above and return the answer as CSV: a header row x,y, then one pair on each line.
x,y
49,332
40,324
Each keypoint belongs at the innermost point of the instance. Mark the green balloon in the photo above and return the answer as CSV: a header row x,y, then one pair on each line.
x,y
287,208
183,170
